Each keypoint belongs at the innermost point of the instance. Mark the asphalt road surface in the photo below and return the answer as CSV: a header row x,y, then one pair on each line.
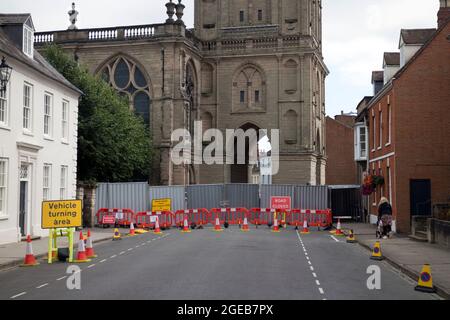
x,y
221,266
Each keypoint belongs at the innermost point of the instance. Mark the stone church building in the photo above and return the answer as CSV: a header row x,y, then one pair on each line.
x,y
246,64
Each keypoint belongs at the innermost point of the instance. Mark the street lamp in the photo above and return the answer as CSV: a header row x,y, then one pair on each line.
x,y
5,75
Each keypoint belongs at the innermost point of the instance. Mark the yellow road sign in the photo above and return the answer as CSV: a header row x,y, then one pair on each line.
x,y
62,214
161,205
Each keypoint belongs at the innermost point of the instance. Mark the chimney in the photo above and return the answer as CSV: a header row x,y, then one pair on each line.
x,y
443,13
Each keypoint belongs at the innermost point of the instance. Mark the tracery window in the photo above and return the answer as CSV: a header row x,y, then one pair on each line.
x,y
130,81
249,90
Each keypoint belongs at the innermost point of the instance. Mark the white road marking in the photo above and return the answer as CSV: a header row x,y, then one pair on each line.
x,y
314,275
312,268
137,246
123,252
321,291
62,278
309,262
114,256
18,295
131,249
334,238
317,282
91,266
42,286
104,260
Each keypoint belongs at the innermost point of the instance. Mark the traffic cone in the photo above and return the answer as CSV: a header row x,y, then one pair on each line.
x,y
89,247
305,228
217,227
81,253
376,254
132,231
351,237
245,227
30,260
157,228
186,226
117,235
276,227
339,232
425,283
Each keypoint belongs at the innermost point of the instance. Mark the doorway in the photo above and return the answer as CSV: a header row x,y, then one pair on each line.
x,y
420,197
24,198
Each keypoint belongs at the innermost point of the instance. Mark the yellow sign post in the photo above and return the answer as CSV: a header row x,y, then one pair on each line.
x,y
161,205
62,214
61,218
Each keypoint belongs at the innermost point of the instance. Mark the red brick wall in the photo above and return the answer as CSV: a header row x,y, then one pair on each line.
x,y
341,165
422,96
420,106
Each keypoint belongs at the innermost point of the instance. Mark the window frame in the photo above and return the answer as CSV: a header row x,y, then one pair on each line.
x,y
4,202
241,16
380,141
47,187
63,182
28,41
65,120
389,137
374,132
48,117
5,98
29,127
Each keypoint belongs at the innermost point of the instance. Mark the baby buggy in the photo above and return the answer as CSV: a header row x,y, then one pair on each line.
x,y
384,227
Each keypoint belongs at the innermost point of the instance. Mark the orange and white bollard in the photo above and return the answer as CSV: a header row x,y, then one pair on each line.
x,y
132,230
157,227
305,228
217,227
245,227
30,260
81,254
89,247
186,226
276,227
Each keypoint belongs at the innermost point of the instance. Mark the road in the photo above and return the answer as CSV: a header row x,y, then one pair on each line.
x,y
232,265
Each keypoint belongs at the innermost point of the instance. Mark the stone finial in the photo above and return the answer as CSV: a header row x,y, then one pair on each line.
x,y
180,11
73,14
170,11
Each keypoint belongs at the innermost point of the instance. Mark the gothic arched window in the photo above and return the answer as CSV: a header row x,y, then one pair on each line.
x,y
249,92
130,81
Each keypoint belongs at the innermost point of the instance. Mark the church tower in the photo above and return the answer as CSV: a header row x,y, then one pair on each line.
x,y
263,68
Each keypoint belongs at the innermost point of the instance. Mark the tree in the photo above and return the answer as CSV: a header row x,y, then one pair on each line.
x,y
114,145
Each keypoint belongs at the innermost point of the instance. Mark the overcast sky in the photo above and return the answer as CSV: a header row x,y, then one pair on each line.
x,y
356,32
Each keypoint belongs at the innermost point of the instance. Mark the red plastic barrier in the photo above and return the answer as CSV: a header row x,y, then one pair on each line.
x,y
102,213
127,216
199,216
234,216
315,218
259,216
147,220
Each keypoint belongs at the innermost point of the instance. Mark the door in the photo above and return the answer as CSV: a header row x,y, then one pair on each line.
x,y
23,206
420,197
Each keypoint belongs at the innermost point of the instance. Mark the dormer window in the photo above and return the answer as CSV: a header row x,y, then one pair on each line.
x,y
28,41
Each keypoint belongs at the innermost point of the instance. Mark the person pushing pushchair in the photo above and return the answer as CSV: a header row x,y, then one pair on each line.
x,y
384,228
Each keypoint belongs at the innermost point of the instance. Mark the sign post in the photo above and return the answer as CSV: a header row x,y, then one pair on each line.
x,y
161,205
281,204
61,218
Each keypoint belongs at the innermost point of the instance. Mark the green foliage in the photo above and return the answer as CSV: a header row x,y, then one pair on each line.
x,y
114,145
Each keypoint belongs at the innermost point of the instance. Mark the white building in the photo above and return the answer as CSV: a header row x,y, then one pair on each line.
x,y
38,133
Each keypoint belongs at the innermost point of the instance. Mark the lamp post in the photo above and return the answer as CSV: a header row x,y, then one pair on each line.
x,y
5,75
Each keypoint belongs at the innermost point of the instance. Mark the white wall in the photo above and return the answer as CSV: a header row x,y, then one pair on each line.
x,y
16,146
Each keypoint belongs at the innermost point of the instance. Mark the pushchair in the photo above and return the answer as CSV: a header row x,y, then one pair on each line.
x,y
384,227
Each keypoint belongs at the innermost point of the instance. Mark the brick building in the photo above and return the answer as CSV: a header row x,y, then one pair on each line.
x,y
248,64
409,124
341,168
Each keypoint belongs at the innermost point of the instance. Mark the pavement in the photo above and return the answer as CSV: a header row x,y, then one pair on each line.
x,y
12,255
205,265
408,255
